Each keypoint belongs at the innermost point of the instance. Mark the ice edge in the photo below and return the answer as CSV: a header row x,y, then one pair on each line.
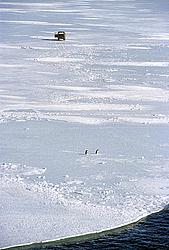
x,y
79,237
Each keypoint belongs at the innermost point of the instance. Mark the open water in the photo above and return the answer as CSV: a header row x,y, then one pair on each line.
x,y
151,232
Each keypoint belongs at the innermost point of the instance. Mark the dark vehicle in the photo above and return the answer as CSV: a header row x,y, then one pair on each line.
x,y
60,35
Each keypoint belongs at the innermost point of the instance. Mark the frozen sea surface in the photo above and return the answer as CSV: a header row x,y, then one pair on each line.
x,y
105,87
50,189
113,66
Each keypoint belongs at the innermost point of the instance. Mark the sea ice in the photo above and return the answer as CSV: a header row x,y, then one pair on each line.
x,y
105,87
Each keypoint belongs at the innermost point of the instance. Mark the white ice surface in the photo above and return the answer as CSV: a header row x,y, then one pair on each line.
x,y
105,87
32,22
139,64
70,193
117,103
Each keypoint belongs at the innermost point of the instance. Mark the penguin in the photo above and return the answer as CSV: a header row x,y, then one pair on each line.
x,y
96,152
86,152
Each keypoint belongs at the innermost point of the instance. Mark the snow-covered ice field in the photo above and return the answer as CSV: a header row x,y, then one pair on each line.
x,y
105,87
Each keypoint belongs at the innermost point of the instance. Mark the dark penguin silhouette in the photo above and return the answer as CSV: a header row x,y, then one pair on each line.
x,y
86,152
96,152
